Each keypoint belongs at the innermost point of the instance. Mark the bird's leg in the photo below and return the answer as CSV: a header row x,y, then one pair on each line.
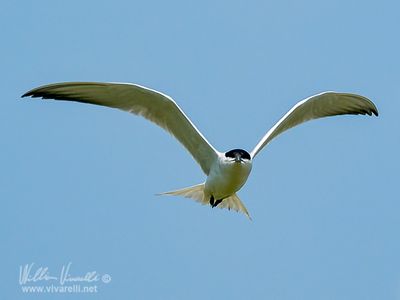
x,y
214,203
218,202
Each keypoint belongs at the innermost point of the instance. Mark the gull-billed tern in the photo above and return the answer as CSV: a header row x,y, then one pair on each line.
x,y
226,172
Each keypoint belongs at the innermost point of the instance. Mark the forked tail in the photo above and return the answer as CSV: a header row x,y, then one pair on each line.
x,y
196,193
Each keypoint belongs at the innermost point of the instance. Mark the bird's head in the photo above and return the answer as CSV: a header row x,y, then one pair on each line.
x,y
238,155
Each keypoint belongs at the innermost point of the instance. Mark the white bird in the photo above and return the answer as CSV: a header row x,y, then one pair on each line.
x,y
226,172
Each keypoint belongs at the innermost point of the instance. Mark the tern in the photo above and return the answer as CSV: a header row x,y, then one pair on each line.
x,y
226,172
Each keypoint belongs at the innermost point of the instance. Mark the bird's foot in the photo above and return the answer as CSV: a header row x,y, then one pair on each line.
x,y
214,202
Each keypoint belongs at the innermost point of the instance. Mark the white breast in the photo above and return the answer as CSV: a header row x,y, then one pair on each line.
x,y
226,177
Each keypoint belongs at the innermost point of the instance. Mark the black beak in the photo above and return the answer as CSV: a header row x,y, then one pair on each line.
x,y
238,158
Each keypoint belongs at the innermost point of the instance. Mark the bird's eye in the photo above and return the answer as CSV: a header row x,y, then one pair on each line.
x,y
230,154
245,155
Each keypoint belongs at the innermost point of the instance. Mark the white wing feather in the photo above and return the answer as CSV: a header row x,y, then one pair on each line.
x,y
150,104
318,106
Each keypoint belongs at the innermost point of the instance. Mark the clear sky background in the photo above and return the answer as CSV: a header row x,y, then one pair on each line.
x,y
78,182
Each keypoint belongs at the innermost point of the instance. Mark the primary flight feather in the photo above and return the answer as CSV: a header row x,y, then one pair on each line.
x,y
226,172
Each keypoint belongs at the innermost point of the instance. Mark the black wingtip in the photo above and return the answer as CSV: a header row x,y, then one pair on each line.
x,y
33,94
30,93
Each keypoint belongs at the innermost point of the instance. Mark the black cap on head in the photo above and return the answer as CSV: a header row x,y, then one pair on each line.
x,y
242,153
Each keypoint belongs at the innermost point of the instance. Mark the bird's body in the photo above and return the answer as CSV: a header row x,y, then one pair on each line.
x,y
227,176
226,172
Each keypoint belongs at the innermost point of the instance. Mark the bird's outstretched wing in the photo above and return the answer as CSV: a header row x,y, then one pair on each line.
x,y
318,106
152,105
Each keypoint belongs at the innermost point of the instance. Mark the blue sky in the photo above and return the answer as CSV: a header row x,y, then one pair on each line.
x,y
78,182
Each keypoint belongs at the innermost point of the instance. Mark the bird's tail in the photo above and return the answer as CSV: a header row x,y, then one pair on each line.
x,y
196,193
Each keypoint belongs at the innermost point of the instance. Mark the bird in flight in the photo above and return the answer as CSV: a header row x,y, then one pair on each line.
x,y
226,172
